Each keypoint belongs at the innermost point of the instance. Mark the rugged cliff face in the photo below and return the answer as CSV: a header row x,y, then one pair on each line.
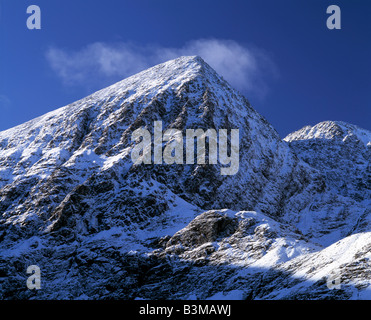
x,y
341,151
342,154
99,226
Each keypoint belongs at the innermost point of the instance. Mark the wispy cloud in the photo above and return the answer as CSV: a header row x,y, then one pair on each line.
x,y
4,102
100,64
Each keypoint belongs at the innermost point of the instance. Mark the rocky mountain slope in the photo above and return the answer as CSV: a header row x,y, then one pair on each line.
x,y
98,226
341,151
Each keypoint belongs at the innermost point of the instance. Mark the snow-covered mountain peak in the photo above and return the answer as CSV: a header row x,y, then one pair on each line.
x,y
342,153
331,130
170,74
92,138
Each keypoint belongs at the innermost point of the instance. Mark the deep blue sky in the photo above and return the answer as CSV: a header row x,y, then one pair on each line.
x,y
319,75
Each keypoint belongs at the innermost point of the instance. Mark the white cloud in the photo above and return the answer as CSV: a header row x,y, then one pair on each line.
x,y
100,64
4,102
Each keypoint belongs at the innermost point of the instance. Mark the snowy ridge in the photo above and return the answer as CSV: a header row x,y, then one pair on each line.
x,y
331,130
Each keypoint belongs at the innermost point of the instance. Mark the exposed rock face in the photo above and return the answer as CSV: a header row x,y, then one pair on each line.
x,y
73,202
207,227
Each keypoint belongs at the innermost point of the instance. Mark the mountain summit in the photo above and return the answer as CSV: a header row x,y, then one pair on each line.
x,y
341,152
331,130
52,163
99,226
